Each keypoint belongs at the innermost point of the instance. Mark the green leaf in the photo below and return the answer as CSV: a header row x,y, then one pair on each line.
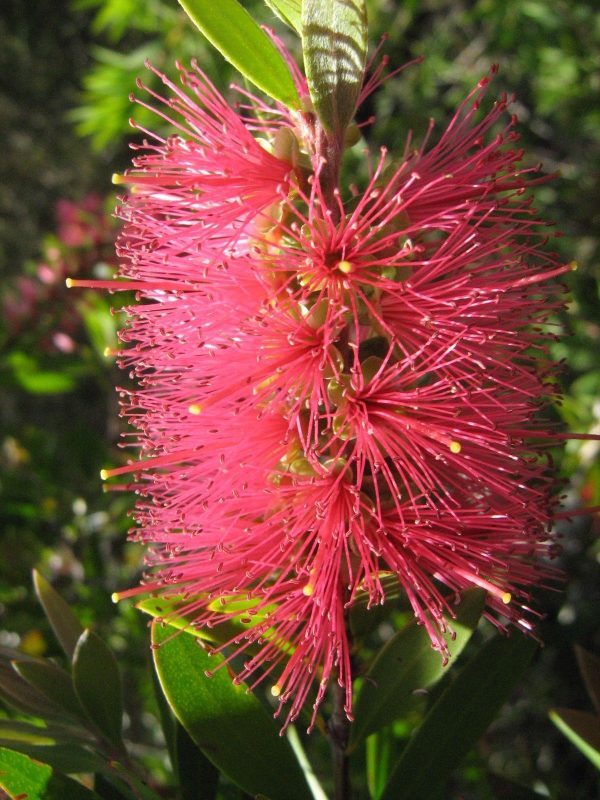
x,y
406,664
167,611
52,681
35,379
380,752
172,612
65,624
98,685
589,666
289,11
334,43
11,654
197,777
23,697
231,29
22,776
100,324
16,732
582,729
226,722
459,718
64,758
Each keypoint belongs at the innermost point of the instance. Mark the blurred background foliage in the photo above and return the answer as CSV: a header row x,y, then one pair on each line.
x,y
67,69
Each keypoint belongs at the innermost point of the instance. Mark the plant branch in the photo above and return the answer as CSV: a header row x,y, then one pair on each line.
x,y
339,734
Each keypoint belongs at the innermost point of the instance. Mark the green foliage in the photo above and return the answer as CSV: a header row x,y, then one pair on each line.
x,y
224,719
78,715
97,685
334,46
104,114
406,666
53,443
580,727
61,617
459,718
21,776
289,11
231,29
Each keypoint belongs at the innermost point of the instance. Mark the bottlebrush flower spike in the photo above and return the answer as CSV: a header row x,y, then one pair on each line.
x,y
335,385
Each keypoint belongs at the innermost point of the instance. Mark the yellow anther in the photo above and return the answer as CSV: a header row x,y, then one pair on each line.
x,y
108,352
69,283
115,597
345,267
506,598
455,447
276,690
264,384
103,474
195,409
573,265
118,179
308,590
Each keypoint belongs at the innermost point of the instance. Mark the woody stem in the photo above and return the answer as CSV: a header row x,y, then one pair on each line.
x,y
330,151
339,733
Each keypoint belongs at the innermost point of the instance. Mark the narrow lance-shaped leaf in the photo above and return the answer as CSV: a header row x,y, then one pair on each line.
x,y
18,732
459,718
334,43
171,612
25,698
197,777
65,624
53,682
226,722
582,729
231,29
289,11
23,777
407,663
65,758
98,685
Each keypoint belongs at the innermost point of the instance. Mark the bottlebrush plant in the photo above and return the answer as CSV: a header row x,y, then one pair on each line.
x,y
339,400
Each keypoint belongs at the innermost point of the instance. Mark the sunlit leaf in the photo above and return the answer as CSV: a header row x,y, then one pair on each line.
x,y
582,729
243,617
231,29
226,722
17,731
334,44
23,777
67,759
289,11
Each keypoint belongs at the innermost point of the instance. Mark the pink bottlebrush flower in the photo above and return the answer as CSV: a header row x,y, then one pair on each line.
x,y
330,392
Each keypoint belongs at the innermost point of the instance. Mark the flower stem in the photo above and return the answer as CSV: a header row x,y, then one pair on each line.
x,y
339,733
329,150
